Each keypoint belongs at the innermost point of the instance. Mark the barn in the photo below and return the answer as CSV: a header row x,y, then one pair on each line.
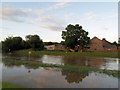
x,y
98,45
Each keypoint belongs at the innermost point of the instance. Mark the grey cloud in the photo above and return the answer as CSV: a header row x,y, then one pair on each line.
x,y
53,27
14,14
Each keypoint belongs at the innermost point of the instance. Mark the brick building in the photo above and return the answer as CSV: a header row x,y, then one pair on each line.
x,y
55,47
101,45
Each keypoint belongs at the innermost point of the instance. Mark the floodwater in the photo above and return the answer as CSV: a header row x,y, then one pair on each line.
x,y
39,77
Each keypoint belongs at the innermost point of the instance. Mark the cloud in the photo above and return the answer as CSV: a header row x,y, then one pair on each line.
x,y
90,16
94,20
14,14
51,23
53,27
43,19
58,5
15,11
51,19
40,12
4,28
21,14
14,19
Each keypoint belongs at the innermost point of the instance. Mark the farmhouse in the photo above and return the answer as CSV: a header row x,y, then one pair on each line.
x,y
55,47
98,45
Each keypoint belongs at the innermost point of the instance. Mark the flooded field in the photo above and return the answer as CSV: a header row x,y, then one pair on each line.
x,y
40,77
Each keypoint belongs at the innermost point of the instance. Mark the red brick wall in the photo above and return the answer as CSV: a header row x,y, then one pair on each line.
x,y
96,45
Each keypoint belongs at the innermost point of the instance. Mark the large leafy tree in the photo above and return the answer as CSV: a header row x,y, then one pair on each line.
x,y
35,42
75,35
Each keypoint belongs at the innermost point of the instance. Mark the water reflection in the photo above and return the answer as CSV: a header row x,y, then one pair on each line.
x,y
50,78
73,77
83,61
34,76
13,63
52,59
101,63
23,57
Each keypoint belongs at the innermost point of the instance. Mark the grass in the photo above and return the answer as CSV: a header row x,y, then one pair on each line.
x,y
115,73
36,64
61,53
78,69
8,85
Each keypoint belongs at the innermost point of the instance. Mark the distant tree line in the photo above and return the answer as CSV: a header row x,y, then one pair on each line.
x,y
50,43
33,42
17,43
54,43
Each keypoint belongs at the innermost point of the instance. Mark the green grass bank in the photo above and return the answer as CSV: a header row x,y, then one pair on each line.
x,y
61,53
9,85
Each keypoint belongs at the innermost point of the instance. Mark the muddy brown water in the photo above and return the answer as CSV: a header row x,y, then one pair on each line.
x,y
40,77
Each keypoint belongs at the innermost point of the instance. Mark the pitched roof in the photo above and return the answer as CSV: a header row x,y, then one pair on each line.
x,y
95,38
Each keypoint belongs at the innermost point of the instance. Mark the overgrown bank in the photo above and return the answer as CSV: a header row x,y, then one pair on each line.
x,y
9,85
61,53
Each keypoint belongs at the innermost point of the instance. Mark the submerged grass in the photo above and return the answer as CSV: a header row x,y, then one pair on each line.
x,y
91,54
36,64
8,85
78,69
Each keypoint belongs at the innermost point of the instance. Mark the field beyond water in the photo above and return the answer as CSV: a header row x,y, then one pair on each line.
x,y
89,54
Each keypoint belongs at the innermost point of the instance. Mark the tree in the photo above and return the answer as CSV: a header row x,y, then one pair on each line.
x,y
0,46
119,40
49,43
25,45
11,44
103,39
115,43
35,42
75,35
62,43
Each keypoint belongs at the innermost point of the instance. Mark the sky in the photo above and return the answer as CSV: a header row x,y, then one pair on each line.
x,y
49,19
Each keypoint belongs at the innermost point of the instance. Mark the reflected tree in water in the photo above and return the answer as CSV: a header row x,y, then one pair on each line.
x,y
73,77
83,61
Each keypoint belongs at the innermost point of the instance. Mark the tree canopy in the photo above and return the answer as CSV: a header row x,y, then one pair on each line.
x,y
50,43
35,42
12,43
16,43
75,35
